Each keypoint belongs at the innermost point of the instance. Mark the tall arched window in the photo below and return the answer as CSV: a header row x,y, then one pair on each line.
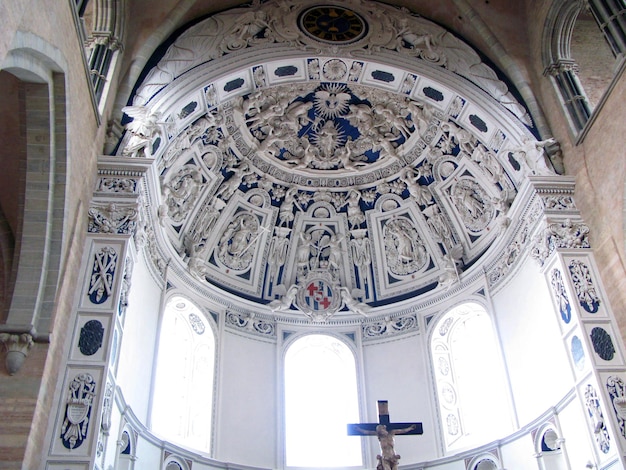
x,y
183,387
471,385
320,400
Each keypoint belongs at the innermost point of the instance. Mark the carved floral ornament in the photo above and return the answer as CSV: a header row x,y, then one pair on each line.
x,y
328,168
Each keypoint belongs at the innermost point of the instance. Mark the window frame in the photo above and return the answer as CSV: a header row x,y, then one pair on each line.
x,y
439,346
211,329
350,340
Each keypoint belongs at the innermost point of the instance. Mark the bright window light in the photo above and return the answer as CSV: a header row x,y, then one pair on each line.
x,y
183,389
473,399
320,400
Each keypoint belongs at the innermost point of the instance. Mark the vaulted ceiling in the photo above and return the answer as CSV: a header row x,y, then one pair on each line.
x,y
328,160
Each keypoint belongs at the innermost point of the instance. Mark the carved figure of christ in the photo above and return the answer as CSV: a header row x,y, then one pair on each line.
x,y
385,430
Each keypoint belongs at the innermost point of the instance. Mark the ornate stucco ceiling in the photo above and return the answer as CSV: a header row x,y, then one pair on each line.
x,y
327,160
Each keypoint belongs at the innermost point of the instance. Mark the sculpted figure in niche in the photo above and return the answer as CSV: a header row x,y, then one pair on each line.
x,y
420,194
180,192
228,188
334,254
392,120
468,201
439,226
450,275
490,164
404,250
355,214
238,239
465,140
143,127
285,213
278,254
303,253
420,115
531,153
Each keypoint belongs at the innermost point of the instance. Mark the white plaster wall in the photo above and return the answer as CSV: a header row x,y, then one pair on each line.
x,y
519,454
537,364
397,371
149,456
458,465
573,424
138,342
246,402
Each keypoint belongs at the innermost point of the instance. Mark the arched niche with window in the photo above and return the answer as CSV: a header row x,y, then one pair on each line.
x,y
174,462
584,43
471,390
182,400
486,461
320,399
549,449
127,446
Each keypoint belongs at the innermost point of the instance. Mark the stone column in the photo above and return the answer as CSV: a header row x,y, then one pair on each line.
x,y
590,334
80,433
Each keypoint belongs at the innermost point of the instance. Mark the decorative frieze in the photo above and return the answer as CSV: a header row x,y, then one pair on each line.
x,y
250,323
390,326
567,234
112,218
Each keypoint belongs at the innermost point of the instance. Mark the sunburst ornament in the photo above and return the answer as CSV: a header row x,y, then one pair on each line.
x,y
332,101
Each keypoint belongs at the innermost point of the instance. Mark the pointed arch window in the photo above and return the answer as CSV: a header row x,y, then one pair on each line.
x,y
183,387
470,379
320,399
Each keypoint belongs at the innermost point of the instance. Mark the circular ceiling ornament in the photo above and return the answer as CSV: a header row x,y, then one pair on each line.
x,y
333,24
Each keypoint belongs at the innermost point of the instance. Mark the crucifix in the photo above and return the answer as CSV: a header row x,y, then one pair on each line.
x,y
385,430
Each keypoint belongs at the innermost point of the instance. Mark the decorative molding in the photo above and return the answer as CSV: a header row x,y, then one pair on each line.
x,y
81,393
390,326
250,323
559,235
112,218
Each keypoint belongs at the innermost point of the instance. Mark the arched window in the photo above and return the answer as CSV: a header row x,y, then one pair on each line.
x,y
100,29
183,387
471,386
320,400
584,44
